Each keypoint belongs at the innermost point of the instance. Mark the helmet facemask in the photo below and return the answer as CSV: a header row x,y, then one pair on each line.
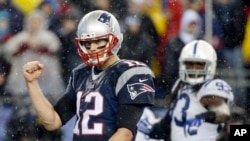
x,y
101,55
196,75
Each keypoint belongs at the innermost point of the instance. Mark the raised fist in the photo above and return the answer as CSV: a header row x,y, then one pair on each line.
x,y
32,71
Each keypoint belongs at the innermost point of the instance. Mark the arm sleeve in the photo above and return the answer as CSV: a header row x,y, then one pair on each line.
x,y
128,116
65,108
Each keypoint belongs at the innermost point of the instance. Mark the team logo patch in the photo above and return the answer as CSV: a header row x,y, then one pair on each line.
x,y
138,88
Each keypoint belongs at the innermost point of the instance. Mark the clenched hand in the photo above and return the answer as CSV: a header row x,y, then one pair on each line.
x,y
32,71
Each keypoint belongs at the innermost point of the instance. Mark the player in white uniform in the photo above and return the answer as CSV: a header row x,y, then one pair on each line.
x,y
201,105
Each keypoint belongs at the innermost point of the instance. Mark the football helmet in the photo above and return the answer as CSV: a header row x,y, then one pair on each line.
x,y
98,25
201,52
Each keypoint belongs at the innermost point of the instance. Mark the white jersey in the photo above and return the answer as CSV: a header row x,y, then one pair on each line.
x,y
187,107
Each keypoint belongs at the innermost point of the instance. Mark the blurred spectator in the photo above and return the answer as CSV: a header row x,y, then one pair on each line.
x,y
102,5
231,18
119,9
26,6
137,44
136,7
68,53
50,9
238,117
85,5
6,106
246,43
11,22
35,42
5,32
15,16
190,29
246,50
154,10
174,10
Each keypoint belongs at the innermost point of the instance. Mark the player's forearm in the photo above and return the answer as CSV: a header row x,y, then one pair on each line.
x,y
43,108
122,134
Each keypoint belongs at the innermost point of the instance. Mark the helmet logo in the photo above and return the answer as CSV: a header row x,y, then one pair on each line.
x,y
104,18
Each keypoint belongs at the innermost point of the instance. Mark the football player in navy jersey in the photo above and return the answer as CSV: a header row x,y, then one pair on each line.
x,y
106,94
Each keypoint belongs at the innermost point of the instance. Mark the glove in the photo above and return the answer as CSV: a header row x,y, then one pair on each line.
x,y
147,121
145,126
192,125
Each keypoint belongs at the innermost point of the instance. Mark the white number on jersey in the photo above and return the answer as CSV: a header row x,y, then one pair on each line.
x,y
82,124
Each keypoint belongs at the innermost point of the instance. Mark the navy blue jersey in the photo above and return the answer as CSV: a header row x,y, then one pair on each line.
x,y
97,96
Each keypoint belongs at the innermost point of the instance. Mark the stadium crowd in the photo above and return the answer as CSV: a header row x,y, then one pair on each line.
x,y
155,31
